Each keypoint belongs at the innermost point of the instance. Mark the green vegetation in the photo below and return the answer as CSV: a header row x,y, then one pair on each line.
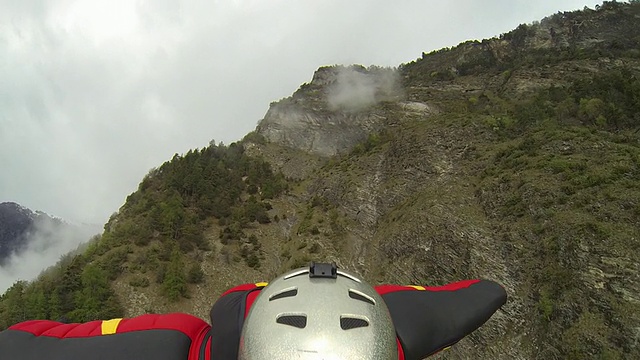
x,y
560,191
566,33
560,187
174,199
251,252
177,201
174,283
609,100
159,225
74,291
557,169
195,275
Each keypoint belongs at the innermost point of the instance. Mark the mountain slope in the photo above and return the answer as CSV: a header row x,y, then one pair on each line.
x,y
515,159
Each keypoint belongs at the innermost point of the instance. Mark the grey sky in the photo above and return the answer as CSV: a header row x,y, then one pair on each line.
x,y
95,93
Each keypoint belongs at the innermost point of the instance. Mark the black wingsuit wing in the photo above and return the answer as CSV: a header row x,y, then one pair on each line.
x,y
429,319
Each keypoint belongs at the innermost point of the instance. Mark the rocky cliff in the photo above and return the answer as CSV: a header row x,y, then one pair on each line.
x,y
490,186
336,110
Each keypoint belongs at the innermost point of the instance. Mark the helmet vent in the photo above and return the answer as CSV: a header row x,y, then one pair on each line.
x,y
299,321
357,295
348,323
284,294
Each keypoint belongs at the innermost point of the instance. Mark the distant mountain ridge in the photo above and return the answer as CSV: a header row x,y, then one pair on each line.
x,y
16,223
18,226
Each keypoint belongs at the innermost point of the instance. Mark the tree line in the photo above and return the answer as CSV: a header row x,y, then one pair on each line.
x,y
155,235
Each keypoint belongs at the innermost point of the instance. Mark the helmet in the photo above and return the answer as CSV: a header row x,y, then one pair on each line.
x,y
318,313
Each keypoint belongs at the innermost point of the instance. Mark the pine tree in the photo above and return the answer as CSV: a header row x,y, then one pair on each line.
x,y
15,304
36,302
55,306
174,284
95,291
195,274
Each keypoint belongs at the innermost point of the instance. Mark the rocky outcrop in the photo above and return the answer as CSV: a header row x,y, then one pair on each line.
x,y
337,110
320,133
609,31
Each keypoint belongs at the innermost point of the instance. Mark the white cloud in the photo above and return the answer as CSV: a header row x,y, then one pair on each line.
x,y
355,88
49,241
95,93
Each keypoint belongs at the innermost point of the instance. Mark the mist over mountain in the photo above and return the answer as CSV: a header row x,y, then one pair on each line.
x,y
31,241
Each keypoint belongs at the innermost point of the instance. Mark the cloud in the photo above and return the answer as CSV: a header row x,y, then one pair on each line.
x,y
93,94
356,88
48,241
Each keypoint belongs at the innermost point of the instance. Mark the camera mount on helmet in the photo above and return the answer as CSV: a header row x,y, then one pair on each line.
x,y
323,270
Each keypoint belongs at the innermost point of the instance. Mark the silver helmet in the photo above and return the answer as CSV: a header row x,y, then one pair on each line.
x,y
318,313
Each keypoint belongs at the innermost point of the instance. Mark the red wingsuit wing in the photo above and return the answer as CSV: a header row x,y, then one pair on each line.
x,y
146,337
429,319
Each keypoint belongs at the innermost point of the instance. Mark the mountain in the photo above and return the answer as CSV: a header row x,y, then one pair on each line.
x,y
30,241
15,222
19,224
515,159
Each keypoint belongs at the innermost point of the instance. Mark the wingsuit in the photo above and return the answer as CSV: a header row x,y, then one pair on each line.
x,y
426,319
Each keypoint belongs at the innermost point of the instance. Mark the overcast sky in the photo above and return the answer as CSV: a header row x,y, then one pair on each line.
x,y
95,93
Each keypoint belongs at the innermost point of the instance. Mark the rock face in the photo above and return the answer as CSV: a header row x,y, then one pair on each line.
x,y
338,109
15,224
420,209
312,131
608,32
